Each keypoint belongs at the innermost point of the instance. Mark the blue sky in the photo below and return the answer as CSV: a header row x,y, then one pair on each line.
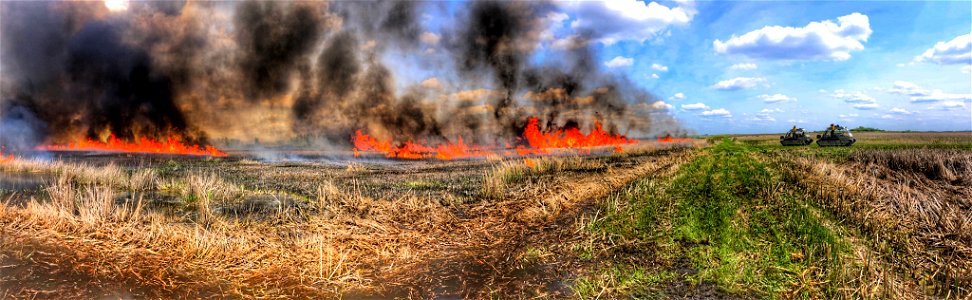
x,y
790,89
759,67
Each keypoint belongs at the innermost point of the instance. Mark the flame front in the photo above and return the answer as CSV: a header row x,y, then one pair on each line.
x,y
5,158
533,141
171,145
572,138
412,150
669,139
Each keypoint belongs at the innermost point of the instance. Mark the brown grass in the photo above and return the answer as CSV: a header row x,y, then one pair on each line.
x,y
110,174
915,206
239,258
511,172
143,179
899,139
338,237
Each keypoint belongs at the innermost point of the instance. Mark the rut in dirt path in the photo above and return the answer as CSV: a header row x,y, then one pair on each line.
x,y
479,266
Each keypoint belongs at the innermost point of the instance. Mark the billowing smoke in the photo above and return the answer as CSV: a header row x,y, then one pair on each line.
x,y
273,42
298,72
497,38
80,74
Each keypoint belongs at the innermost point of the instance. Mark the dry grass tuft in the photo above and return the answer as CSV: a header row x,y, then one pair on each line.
x,y
354,167
88,204
952,166
143,179
110,174
514,171
914,205
495,181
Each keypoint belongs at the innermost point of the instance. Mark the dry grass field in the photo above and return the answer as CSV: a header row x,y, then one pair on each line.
x,y
730,217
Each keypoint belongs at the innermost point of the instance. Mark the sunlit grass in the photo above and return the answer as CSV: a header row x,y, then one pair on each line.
x,y
723,220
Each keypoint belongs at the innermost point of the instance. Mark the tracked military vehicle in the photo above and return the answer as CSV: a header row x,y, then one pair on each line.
x,y
796,137
836,135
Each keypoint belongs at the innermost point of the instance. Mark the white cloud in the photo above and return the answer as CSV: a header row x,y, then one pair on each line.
x,y
659,68
950,105
747,66
853,97
566,43
557,17
719,112
653,76
766,115
431,83
626,20
824,40
866,106
619,61
116,5
907,88
553,21
848,116
967,69
919,94
886,117
430,38
938,95
900,111
956,51
696,106
763,117
661,105
677,96
738,83
776,98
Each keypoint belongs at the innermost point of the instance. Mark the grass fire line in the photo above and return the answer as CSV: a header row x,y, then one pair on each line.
x,y
532,142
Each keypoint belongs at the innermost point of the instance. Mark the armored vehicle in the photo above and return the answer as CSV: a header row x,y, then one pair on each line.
x,y
795,137
836,135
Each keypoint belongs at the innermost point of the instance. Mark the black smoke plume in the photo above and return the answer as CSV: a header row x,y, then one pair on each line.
x,y
495,38
81,75
498,40
298,71
273,41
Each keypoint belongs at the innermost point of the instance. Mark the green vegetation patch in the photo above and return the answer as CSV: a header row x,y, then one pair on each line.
x,y
724,219
423,185
866,129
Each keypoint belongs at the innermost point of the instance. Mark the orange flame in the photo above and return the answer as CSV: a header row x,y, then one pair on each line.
x,y
669,139
412,150
536,142
572,137
6,158
530,163
171,145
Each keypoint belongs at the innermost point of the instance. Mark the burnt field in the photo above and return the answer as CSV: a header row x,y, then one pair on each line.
x,y
734,217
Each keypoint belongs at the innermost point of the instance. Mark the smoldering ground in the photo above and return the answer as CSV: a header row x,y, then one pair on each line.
x,y
299,71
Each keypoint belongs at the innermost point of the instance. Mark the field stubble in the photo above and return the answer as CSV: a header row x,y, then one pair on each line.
x,y
914,206
238,227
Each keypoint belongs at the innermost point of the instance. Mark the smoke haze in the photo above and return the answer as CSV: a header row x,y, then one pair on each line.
x,y
307,72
